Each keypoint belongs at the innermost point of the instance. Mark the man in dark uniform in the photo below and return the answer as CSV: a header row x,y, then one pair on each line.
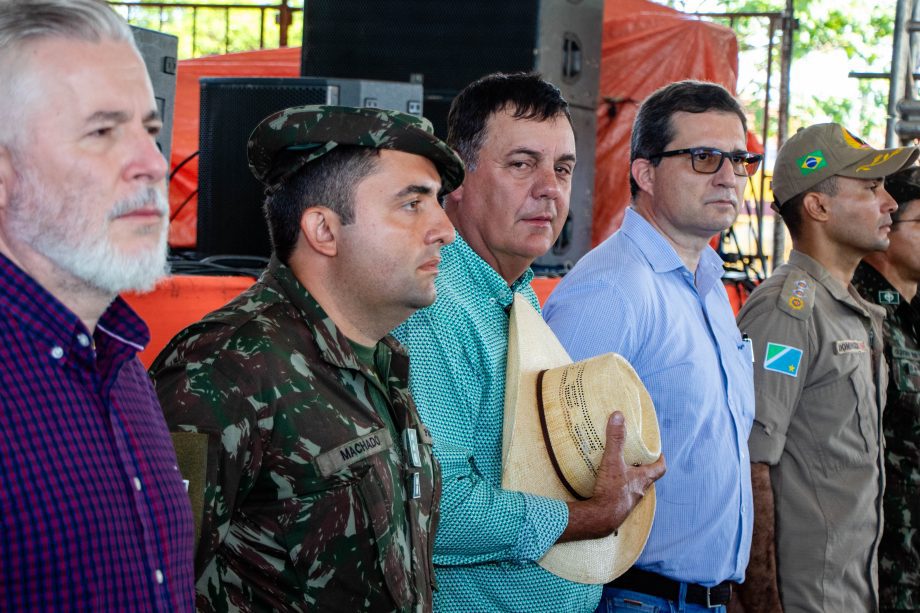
x,y
819,381
889,279
321,491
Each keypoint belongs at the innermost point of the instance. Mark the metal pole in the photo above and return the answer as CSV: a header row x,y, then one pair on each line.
x,y
764,136
284,20
898,60
782,122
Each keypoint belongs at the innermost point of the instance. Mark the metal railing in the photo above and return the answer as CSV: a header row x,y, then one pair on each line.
x,y
207,29
778,64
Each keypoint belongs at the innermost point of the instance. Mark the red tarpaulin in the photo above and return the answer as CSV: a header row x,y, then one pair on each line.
x,y
645,46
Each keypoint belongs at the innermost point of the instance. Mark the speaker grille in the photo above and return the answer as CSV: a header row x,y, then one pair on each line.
x,y
230,199
450,43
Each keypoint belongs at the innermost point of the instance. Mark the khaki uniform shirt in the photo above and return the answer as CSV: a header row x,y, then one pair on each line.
x,y
321,489
899,552
819,380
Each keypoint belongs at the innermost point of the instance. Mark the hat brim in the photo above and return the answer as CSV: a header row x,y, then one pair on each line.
x,y
526,463
880,163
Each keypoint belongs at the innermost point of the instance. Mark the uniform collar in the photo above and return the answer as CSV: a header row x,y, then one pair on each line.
x,y
845,294
332,343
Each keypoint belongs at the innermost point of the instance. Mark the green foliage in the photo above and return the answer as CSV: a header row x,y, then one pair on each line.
x,y
209,30
860,30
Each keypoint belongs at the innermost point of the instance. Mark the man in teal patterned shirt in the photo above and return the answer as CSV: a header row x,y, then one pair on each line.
x,y
515,136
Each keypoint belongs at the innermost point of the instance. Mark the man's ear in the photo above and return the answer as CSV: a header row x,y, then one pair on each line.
x,y
6,177
643,173
817,206
320,228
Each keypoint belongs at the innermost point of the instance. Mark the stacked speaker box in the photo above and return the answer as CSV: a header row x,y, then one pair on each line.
x,y
447,45
230,220
159,52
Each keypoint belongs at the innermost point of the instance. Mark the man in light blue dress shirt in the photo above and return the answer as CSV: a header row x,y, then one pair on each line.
x,y
515,136
652,292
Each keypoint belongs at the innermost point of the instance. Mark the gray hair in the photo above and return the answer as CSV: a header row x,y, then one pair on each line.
x,y
24,21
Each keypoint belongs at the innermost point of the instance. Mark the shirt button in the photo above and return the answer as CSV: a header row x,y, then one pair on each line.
x,y
137,484
158,575
57,353
83,340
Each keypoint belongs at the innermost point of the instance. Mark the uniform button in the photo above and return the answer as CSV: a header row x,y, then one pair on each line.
x,y
158,575
57,353
137,484
83,340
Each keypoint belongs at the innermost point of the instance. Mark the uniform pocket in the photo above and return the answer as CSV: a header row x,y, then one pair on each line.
x,y
905,370
840,422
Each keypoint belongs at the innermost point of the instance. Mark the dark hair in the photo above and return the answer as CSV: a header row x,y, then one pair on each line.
x,y
328,181
791,211
903,186
652,129
526,93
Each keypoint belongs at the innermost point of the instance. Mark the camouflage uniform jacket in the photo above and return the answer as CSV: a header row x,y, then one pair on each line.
x,y
308,502
899,552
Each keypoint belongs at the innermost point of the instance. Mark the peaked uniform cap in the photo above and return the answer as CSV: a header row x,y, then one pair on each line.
x,y
823,150
286,141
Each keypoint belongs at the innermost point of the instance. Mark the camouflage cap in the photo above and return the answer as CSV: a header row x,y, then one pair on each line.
x,y
827,149
286,141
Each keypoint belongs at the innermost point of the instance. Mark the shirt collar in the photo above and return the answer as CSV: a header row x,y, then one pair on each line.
x,y
49,320
662,257
484,276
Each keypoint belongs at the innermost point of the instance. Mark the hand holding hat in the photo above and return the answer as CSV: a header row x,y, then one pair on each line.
x,y
619,488
560,441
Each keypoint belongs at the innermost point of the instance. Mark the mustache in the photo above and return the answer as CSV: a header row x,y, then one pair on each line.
x,y
145,198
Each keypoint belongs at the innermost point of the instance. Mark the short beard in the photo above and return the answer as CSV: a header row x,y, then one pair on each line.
x,y
83,251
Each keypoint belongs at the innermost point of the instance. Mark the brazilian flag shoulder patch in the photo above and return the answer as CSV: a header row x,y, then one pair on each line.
x,y
811,162
782,359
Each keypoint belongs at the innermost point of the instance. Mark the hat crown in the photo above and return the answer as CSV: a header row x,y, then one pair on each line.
x,y
823,150
287,140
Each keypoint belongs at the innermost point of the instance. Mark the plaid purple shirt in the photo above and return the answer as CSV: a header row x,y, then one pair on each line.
x,y
93,512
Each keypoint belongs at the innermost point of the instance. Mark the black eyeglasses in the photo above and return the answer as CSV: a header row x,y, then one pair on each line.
x,y
708,161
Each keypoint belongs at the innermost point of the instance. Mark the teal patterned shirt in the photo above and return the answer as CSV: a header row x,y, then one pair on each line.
x,y
488,539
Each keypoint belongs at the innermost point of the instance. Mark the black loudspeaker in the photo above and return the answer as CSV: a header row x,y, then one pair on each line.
x,y
159,52
447,45
230,199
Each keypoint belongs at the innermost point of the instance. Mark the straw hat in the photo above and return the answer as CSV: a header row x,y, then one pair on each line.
x,y
577,401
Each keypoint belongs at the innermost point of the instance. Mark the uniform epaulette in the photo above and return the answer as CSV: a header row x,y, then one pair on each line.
x,y
797,297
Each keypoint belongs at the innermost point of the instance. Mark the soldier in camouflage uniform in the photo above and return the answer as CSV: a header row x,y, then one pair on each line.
x,y
291,402
890,279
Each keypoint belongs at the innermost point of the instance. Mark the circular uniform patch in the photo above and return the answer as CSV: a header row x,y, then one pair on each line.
x,y
796,303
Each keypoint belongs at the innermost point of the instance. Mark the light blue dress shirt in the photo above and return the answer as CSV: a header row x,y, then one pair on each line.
x,y
489,538
634,296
